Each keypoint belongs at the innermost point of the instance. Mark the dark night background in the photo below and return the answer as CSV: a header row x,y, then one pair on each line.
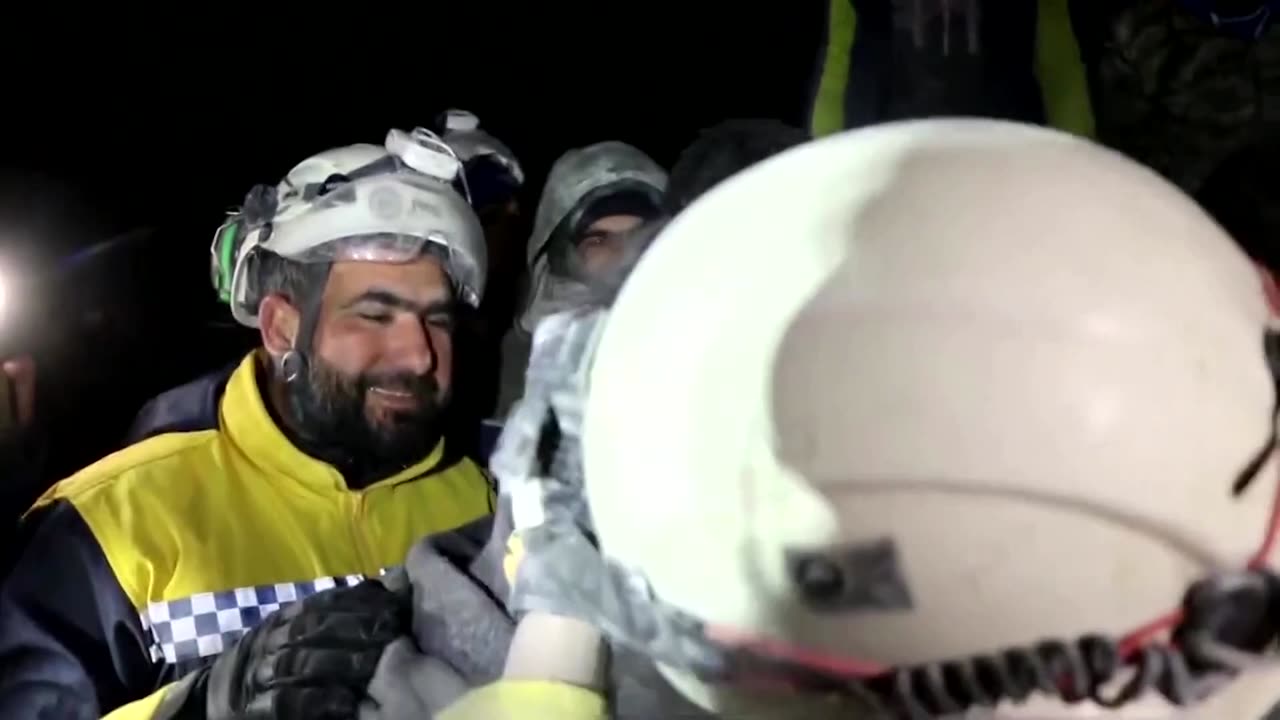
x,y
115,131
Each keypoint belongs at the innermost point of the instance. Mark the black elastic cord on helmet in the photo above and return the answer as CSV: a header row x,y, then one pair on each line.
x,y
317,274
1271,346
309,311
259,208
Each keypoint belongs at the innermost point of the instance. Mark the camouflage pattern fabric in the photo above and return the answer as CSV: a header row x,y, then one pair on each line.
x,y
1177,94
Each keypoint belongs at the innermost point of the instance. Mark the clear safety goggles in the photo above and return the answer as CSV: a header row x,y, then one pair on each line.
x,y
384,218
377,248
395,248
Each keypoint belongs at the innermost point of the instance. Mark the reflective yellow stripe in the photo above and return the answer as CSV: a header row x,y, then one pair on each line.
x,y
526,700
827,114
143,709
1064,84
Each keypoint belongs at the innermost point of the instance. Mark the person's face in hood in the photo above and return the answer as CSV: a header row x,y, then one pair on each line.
x,y
595,236
592,198
602,244
380,371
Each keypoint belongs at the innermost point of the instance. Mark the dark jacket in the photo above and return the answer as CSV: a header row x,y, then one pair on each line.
x,y
885,60
186,408
21,482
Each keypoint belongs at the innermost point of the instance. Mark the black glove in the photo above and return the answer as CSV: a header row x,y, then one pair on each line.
x,y
311,660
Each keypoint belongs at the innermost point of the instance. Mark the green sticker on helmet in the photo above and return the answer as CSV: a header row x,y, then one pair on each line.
x,y
224,272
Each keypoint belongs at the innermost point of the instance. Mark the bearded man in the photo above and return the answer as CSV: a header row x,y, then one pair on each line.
x,y
315,463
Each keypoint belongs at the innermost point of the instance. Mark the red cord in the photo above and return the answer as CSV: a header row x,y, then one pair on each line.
x,y
1130,643
1137,639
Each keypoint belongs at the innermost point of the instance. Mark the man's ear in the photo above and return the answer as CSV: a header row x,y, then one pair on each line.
x,y
278,321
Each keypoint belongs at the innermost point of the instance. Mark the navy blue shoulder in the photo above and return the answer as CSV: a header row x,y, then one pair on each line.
x,y
187,408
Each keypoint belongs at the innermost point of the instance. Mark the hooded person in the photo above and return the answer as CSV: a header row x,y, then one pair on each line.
x,y
592,196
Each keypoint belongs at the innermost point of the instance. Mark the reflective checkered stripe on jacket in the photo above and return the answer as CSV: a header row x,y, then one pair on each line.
x,y
204,624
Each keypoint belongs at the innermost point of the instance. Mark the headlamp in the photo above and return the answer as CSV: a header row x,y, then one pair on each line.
x,y
425,152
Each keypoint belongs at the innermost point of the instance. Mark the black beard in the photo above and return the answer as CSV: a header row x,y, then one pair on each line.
x,y
329,410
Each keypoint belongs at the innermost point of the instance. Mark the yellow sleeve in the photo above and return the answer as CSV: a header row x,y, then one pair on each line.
x,y
526,700
1064,82
144,709
826,111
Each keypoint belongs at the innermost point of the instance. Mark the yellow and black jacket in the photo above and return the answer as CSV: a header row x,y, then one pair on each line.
x,y
142,567
886,60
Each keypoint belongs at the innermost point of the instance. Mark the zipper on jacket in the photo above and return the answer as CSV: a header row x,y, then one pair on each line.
x,y
361,540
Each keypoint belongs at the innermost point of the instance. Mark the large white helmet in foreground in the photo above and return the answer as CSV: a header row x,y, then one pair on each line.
x,y
934,390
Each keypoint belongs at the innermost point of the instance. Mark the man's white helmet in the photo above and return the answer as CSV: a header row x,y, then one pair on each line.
x,y
364,202
930,391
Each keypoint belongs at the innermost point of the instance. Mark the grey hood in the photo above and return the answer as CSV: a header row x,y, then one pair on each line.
x,y
576,177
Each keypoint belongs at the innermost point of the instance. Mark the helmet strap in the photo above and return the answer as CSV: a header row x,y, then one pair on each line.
x,y
298,357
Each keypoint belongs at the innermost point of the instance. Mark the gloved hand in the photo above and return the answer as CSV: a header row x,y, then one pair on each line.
x,y
311,660
409,685
460,632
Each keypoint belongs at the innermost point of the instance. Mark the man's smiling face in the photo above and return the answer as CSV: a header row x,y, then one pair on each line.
x,y
383,362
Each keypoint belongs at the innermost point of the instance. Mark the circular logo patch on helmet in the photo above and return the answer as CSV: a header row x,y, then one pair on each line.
x,y
385,203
